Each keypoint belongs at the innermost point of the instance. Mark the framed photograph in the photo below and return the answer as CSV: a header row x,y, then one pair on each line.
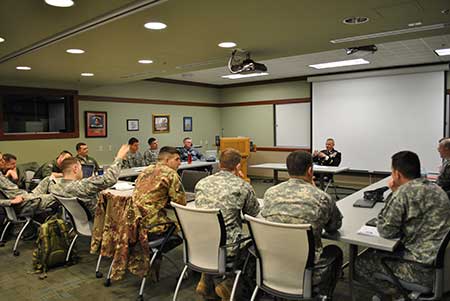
x,y
132,125
161,123
95,124
187,124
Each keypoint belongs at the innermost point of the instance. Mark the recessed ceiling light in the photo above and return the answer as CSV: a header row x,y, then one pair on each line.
x,y
60,3
155,25
355,20
145,61
237,76
75,51
340,64
443,51
415,24
24,68
87,74
227,44
2,39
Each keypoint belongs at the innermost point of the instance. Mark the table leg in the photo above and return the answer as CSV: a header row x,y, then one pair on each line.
x,y
353,253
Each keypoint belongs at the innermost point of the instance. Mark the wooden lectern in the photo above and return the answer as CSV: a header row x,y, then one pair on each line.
x,y
242,144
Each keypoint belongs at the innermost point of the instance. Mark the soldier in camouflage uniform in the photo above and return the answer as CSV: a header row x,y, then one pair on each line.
x,y
22,201
134,157
228,192
419,214
72,183
151,154
444,174
298,201
155,188
82,155
52,167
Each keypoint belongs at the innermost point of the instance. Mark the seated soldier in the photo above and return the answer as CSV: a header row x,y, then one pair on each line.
x,y
52,167
151,154
82,155
134,157
444,174
299,201
11,171
72,183
328,156
418,213
227,191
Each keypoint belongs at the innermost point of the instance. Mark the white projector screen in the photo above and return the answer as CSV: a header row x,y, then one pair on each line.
x,y
374,117
292,125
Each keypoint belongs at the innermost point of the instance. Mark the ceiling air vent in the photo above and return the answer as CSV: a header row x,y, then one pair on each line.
x,y
355,20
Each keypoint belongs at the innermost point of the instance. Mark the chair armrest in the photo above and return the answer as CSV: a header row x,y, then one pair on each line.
x,y
238,242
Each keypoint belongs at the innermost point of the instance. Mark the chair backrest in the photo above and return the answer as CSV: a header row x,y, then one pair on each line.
x,y
285,256
204,237
9,211
443,261
78,214
190,178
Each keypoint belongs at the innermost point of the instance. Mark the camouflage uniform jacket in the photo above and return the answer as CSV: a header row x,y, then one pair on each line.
x,y
133,160
444,176
418,213
88,161
151,156
230,194
46,170
155,187
86,189
184,152
9,189
298,202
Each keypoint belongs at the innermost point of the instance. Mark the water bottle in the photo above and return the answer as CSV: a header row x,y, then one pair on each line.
x,y
423,173
100,172
189,158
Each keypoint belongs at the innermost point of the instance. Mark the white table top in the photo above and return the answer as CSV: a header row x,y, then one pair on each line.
x,y
316,168
135,171
355,218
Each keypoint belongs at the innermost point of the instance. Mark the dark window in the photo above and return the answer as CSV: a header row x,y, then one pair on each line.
x,y
29,113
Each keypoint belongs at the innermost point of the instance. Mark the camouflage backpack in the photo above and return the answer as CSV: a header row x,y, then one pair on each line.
x,y
52,245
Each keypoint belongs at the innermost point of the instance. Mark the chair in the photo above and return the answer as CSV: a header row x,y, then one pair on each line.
x,y
159,246
189,178
205,252
79,217
414,291
25,218
284,258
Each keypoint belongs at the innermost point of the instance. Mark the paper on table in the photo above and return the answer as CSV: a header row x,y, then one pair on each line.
x,y
368,230
123,186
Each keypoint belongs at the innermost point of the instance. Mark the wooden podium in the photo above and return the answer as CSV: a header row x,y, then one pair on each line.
x,y
242,144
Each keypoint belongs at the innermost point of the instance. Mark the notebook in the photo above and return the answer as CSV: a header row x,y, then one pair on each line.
x,y
88,170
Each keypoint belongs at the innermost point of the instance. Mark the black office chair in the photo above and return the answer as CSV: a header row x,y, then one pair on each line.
x,y
414,291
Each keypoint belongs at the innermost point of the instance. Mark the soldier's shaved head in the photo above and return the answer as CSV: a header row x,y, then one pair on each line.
x,y
167,151
298,163
67,164
230,158
407,163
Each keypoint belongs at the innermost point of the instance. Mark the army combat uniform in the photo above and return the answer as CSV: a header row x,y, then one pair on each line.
x,y
32,202
88,160
299,202
230,194
133,160
86,189
184,153
444,176
155,187
46,170
151,156
419,214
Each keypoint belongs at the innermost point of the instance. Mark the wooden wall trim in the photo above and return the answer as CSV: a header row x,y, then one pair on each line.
x,y
266,102
280,149
35,91
182,82
191,103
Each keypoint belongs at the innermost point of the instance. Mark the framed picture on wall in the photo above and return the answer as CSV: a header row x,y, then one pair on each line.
x,y
132,125
161,123
187,124
95,124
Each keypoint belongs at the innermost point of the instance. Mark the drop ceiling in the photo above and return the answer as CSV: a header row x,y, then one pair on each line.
x,y
286,35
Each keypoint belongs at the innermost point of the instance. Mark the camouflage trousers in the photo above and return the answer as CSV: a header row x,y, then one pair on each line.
x,y
326,278
369,263
31,207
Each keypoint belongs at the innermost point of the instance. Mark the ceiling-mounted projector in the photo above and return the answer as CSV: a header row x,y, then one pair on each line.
x,y
240,62
367,48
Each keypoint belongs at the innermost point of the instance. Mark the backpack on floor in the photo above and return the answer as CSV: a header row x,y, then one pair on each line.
x,y
51,245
